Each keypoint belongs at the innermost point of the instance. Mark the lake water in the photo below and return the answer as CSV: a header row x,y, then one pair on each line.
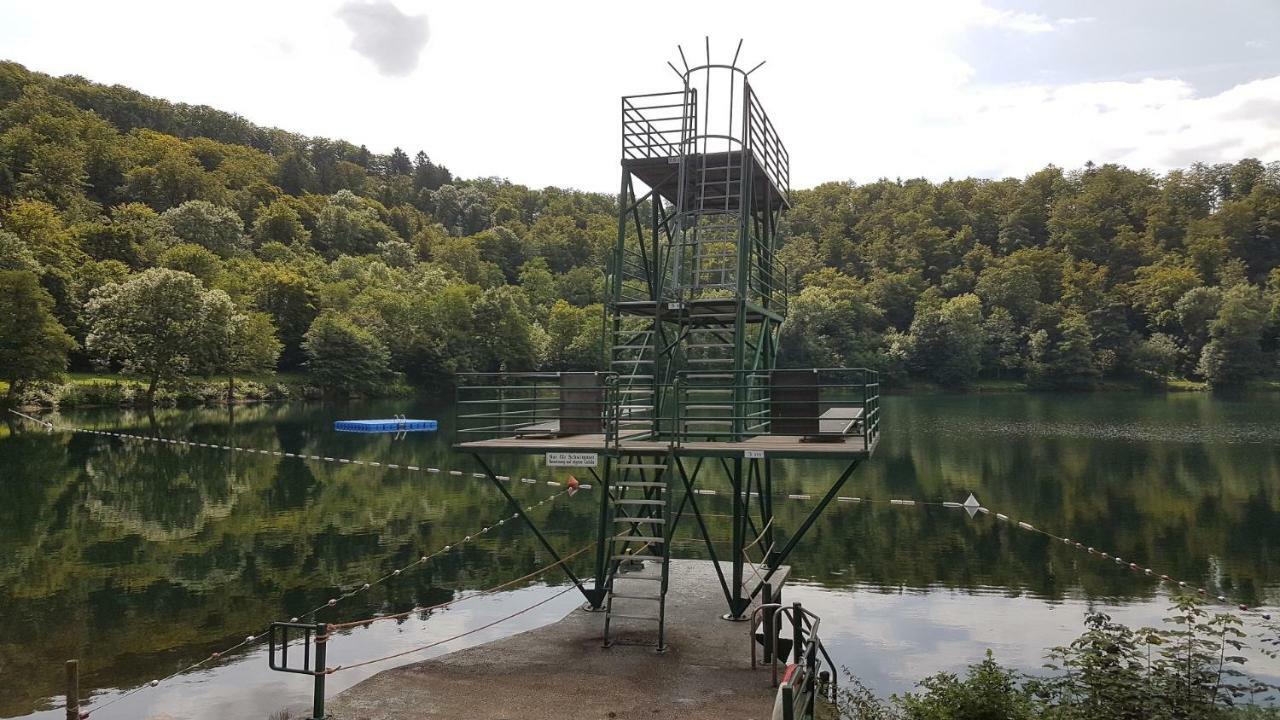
x,y
140,559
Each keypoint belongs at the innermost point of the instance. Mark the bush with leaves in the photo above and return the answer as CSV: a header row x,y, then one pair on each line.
x,y
344,357
1190,669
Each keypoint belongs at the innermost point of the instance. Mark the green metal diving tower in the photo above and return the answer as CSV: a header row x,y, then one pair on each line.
x,y
695,300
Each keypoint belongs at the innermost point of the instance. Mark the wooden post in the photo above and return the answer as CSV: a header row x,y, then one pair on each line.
x,y
73,690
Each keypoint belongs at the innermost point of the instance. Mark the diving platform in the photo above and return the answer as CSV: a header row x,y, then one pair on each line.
x,y
774,446
780,413
706,312
708,175
560,670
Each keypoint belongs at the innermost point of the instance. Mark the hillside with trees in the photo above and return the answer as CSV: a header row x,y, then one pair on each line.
x,y
168,241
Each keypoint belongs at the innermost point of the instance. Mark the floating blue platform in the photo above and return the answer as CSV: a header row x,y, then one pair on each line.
x,y
385,425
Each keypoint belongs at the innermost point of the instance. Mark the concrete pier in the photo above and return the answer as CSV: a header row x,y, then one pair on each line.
x,y
561,671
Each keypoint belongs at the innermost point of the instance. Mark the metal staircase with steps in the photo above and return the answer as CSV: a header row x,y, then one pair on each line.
x,y
639,548
633,358
708,382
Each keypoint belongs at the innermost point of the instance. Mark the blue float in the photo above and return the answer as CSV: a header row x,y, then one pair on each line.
x,y
395,425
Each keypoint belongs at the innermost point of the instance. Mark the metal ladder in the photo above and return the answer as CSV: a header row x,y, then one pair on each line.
x,y
708,383
712,237
632,357
638,507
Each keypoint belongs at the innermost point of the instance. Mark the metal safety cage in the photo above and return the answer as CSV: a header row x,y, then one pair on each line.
x,y
813,404
492,406
708,268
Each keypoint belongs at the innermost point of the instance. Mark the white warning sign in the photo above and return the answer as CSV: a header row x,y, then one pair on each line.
x,y
572,459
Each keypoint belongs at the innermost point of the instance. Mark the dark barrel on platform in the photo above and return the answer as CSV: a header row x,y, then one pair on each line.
x,y
794,402
581,403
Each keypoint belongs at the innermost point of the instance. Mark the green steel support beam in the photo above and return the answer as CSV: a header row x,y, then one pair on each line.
x,y
737,603
702,524
766,502
808,521
621,248
684,498
594,597
602,533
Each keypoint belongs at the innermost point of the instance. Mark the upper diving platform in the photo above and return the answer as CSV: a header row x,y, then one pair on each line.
x,y
709,146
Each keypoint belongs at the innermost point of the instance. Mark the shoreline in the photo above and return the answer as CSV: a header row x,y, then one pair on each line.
x,y
95,390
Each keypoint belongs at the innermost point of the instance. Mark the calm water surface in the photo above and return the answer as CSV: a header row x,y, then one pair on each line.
x,y
141,559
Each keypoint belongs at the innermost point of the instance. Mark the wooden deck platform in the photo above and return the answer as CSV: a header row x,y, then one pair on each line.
x,y
702,312
789,446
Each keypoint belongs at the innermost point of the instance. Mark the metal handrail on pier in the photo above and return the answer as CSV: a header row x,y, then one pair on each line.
x,y
801,683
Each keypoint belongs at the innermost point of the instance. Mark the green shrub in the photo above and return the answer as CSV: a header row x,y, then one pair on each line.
x,y
1190,669
97,393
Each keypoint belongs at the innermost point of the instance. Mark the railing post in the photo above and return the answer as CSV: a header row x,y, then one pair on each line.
x,y
866,420
502,409
797,624
769,631
317,699
73,690
676,433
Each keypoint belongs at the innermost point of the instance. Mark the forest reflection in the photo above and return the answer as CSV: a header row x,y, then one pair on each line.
x,y
140,558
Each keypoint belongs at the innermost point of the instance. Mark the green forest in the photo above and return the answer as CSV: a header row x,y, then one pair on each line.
x,y
164,241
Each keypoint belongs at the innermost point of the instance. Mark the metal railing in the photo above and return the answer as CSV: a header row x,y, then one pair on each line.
x,y
634,275
529,404
665,125
814,404
279,637
801,683
658,125
766,146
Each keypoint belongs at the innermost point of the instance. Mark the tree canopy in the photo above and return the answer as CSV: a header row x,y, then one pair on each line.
x,y
33,344
1059,278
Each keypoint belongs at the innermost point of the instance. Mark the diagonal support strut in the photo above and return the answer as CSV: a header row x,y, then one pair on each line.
x,y
594,597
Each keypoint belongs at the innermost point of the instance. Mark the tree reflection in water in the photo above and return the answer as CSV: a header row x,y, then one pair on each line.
x,y
139,558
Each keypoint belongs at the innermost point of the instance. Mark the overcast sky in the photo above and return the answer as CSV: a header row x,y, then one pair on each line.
x,y
858,89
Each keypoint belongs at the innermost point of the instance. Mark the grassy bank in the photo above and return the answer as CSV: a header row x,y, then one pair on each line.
x,y
993,386
108,390
111,390
1172,385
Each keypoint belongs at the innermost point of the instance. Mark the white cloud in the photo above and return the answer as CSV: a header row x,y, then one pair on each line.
x,y
1012,130
385,35
857,90
1016,21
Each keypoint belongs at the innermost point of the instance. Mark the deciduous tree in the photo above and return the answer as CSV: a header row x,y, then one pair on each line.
x,y
157,324
1234,352
33,344
343,357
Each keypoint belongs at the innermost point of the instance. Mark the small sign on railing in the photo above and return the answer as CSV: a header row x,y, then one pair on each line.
x,y
753,454
572,459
